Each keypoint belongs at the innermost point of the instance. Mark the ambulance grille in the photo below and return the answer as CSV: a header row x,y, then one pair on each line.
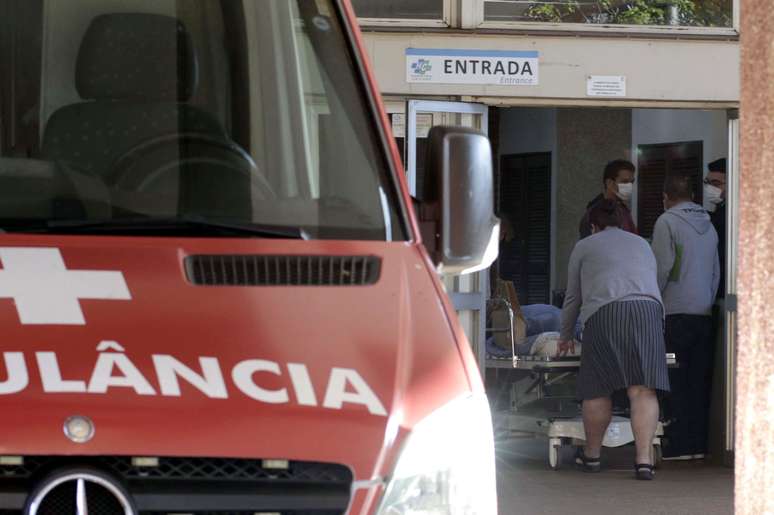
x,y
206,469
306,512
274,270
189,485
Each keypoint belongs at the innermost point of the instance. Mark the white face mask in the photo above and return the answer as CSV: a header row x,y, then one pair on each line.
x,y
712,196
625,191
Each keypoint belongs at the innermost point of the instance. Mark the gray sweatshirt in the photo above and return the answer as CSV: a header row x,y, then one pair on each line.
x,y
686,247
609,266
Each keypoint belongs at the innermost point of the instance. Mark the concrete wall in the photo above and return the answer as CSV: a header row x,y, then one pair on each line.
x,y
755,379
696,70
587,139
526,130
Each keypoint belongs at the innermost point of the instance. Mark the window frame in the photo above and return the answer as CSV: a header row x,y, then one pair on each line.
x,y
444,21
479,22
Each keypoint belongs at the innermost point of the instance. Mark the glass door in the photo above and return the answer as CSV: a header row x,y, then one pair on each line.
x,y
468,293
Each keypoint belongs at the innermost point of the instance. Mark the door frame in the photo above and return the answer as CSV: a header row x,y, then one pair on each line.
x,y
730,301
464,301
414,107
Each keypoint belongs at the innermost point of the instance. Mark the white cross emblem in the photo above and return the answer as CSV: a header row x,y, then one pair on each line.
x,y
45,292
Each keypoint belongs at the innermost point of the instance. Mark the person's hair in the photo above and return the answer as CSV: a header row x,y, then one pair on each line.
x,y
605,214
718,165
678,187
613,167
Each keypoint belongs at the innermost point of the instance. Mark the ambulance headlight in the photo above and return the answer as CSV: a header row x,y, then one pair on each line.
x,y
447,466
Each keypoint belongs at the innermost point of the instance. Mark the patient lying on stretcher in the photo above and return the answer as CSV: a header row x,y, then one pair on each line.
x,y
535,329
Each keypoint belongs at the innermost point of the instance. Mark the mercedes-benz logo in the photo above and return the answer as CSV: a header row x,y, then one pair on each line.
x,y
73,490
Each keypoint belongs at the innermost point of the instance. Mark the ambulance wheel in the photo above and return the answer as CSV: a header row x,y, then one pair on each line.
x,y
555,456
658,456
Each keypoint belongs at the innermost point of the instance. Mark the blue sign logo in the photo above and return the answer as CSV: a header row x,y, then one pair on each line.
x,y
421,67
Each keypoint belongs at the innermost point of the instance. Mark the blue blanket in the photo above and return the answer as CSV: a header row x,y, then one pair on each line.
x,y
540,318
544,318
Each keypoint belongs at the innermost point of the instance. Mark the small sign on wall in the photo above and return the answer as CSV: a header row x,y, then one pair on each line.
x,y
424,124
606,86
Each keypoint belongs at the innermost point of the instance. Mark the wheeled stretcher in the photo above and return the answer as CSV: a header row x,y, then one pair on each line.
x,y
543,404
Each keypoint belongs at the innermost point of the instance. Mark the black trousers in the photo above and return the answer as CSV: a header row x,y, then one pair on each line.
x,y
690,337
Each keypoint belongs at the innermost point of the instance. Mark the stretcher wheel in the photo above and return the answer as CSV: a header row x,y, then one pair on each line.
x,y
555,456
658,455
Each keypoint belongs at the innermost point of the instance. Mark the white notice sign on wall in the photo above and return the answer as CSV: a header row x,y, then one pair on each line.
x,y
398,125
424,124
454,66
606,86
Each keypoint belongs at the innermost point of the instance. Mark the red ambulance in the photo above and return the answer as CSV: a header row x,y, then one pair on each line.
x,y
214,295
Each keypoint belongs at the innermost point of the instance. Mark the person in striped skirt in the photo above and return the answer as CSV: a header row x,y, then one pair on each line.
x,y
612,287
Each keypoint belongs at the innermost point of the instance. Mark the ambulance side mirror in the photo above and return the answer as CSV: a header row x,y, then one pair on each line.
x,y
457,208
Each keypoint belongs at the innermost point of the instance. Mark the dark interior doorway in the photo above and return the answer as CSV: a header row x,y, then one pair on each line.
x,y
655,163
525,199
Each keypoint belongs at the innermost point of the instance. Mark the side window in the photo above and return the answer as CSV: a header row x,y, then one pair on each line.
x,y
204,20
20,61
410,13
400,9
235,39
707,13
317,110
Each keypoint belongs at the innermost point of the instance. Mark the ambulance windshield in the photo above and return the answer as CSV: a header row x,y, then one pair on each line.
x,y
174,117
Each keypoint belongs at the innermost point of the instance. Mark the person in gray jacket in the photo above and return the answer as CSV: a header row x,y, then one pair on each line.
x,y
685,244
612,288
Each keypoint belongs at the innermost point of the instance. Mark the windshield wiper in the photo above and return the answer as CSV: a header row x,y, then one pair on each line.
x,y
153,225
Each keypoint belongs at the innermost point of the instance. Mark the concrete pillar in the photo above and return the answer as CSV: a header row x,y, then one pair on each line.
x,y
755,376
587,139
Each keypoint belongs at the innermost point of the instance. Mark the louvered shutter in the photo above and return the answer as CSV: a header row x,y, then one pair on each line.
x,y
656,162
525,197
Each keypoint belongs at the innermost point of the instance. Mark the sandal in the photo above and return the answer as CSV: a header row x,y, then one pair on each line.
x,y
585,463
644,471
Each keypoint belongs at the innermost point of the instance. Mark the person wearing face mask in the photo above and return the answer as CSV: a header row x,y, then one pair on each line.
x,y
686,248
618,184
715,199
613,290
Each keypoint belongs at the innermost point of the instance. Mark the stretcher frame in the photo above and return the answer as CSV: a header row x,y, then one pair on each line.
x,y
555,418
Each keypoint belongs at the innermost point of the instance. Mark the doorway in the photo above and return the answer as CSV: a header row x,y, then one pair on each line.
x,y
525,207
654,164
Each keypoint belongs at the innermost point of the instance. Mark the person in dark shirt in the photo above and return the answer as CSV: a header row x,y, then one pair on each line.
x,y
618,184
715,197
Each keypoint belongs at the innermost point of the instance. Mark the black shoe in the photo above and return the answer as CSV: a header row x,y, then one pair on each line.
x,y
585,463
644,471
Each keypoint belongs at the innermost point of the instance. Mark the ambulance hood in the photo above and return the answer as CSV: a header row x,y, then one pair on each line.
x,y
113,329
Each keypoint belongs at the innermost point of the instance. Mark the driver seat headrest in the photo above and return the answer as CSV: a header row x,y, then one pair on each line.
x,y
135,56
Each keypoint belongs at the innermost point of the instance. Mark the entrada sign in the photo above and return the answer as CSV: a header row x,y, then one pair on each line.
x,y
490,67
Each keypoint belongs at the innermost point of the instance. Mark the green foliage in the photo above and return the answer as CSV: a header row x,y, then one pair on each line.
x,y
551,12
711,13
703,13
